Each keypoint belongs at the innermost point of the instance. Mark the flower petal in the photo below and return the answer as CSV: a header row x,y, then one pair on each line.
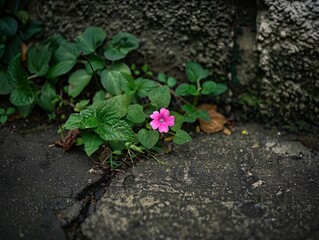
x,y
164,112
163,128
170,121
155,115
155,124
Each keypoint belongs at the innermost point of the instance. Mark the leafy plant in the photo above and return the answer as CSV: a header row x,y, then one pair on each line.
x,y
16,28
5,113
195,88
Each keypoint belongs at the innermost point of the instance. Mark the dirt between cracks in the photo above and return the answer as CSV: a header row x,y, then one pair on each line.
x,y
263,185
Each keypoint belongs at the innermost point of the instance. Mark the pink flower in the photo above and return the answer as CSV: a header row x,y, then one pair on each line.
x,y
162,120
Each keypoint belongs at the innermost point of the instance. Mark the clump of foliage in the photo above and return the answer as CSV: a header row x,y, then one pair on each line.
x,y
118,115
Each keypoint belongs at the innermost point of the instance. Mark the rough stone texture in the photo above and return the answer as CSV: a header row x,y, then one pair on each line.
x,y
171,32
37,181
288,42
263,185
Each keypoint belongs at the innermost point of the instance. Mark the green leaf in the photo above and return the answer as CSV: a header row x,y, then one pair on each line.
x,y
99,96
26,110
86,119
109,110
148,138
191,90
115,131
3,119
195,72
34,29
192,114
10,111
209,87
179,119
23,93
90,39
38,58
120,45
115,79
13,48
135,113
181,137
220,88
144,86
94,62
81,105
92,142
8,26
182,89
161,77
65,58
5,86
2,111
78,80
160,97
48,97
171,82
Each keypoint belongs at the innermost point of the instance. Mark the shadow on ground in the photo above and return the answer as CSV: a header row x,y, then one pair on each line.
x,y
264,185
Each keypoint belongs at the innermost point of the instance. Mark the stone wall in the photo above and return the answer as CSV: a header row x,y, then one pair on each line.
x,y
269,48
288,46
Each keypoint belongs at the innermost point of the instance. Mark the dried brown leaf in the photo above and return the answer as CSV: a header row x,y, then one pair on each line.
x,y
217,120
67,142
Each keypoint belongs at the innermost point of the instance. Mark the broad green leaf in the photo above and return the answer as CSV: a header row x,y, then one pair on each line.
x,y
171,82
86,119
192,114
191,90
60,68
23,93
179,119
26,110
160,97
3,119
78,80
10,111
115,131
209,87
13,48
48,98
144,86
182,89
135,113
90,39
148,138
2,111
38,58
34,29
161,77
115,79
181,137
5,86
8,26
220,88
109,110
94,62
65,58
120,45
81,105
195,72
92,142
99,96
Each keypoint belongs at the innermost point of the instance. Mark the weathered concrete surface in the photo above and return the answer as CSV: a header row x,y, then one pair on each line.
x,y
36,181
288,45
264,185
